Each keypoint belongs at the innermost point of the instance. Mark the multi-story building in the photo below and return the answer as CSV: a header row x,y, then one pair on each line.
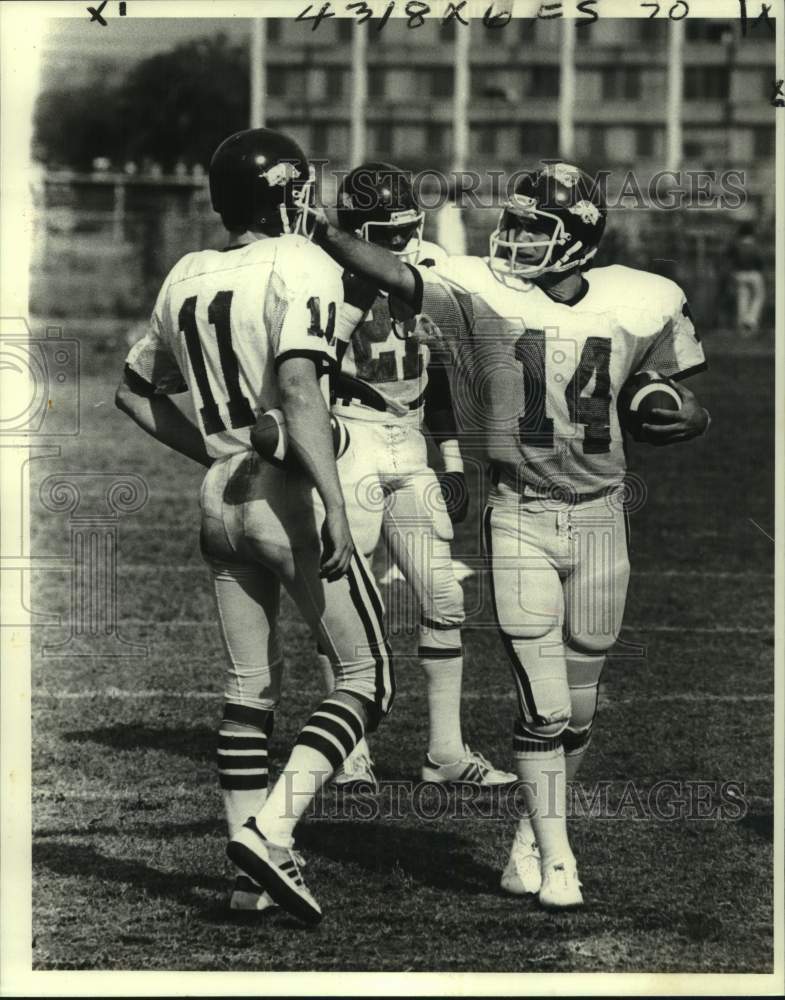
x,y
620,113
620,118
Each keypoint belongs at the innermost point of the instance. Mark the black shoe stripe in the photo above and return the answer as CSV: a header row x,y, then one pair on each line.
x,y
281,888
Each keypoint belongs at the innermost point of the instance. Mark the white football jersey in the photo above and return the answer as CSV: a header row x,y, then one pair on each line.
x,y
225,319
384,352
537,380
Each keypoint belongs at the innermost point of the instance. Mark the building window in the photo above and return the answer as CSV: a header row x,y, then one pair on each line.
x,y
646,141
376,82
486,139
274,25
767,76
763,142
381,139
440,81
276,81
344,27
319,138
621,83
335,77
707,29
706,83
590,142
435,134
447,30
527,29
651,31
544,81
539,139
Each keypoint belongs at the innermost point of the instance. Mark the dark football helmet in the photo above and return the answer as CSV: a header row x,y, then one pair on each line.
x,y
260,179
563,204
376,202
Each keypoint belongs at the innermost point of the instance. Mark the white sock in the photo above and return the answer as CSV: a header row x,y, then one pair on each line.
x,y
546,798
441,657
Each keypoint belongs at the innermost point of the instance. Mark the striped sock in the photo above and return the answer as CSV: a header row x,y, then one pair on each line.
x,y
324,743
242,761
539,762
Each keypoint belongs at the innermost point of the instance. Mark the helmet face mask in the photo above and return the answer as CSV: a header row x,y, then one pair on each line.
x,y
303,198
559,213
376,203
396,234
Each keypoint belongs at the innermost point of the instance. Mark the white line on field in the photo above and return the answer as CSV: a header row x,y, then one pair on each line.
x,y
140,569
682,629
143,694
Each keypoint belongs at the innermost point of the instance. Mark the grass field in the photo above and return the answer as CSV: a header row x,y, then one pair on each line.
x,y
129,867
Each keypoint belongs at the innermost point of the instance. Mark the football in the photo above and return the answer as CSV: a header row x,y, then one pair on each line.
x,y
642,393
271,439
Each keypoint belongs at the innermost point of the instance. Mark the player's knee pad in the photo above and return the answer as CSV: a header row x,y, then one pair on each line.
x,y
254,685
540,676
590,644
583,676
531,738
444,601
438,641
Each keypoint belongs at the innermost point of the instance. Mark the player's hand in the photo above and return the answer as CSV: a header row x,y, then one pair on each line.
x,y
456,496
337,545
680,425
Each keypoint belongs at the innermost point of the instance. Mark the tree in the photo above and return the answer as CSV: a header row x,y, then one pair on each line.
x,y
174,106
74,126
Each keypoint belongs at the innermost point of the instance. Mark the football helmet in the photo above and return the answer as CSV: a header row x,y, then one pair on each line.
x,y
261,179
376,202
563,204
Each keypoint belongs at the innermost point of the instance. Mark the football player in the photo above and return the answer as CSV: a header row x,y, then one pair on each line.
x,y
544,348
385,386
246,329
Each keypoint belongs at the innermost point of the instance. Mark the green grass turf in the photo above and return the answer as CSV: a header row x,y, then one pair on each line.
x,y
129,870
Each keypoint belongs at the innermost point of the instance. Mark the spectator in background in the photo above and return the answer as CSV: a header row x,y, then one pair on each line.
x,y
746,264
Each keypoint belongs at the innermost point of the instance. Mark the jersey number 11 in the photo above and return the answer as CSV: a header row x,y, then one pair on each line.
x,y
240,412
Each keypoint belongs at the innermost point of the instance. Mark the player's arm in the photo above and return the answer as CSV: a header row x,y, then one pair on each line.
x,y
377,266
160,418
311,442
302,306
677,353
440,421
151,375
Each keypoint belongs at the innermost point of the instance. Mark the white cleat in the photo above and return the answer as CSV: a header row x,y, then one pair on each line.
x,y
472,769
356,774
249,897
523,873
561,887
276,869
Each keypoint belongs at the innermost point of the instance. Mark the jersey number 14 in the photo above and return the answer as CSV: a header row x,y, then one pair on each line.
x,y
593,411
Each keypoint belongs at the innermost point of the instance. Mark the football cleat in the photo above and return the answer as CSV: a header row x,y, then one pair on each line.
x,y
471,769
523,873
561,888
250,897
356,773
275,868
